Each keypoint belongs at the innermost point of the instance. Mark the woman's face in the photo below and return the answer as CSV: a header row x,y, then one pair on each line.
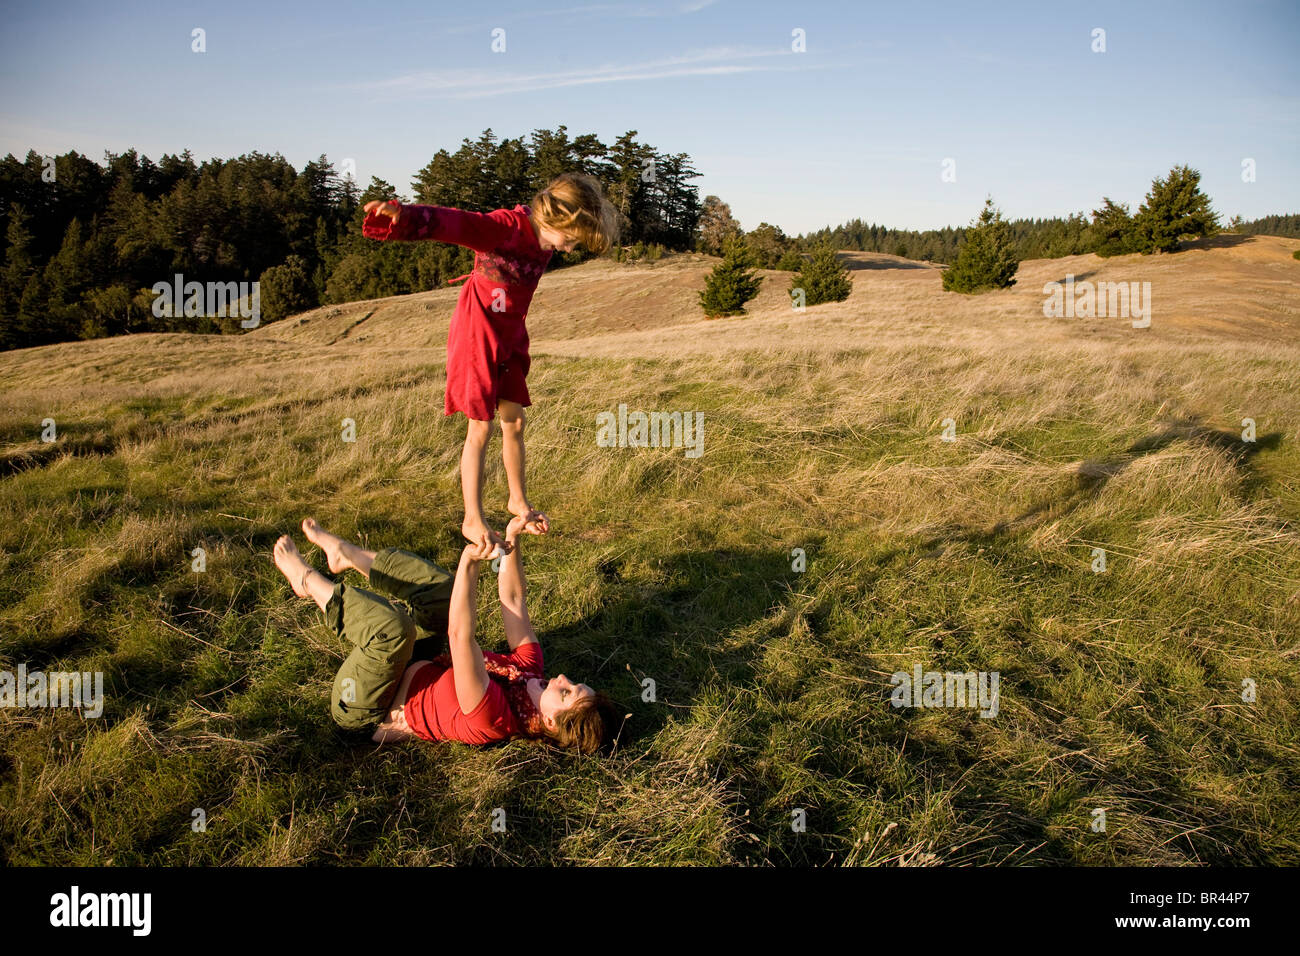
x,y
559,694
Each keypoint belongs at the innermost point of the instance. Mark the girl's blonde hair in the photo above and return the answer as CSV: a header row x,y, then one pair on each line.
x,y
572,203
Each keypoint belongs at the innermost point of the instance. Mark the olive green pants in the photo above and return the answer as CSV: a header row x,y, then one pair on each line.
x,y
382,633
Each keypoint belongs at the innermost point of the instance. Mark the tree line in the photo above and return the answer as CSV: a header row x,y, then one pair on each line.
x,y
986,256
1110,230
86,242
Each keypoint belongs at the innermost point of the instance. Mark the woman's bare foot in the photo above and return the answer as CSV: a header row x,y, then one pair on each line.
x,y
290,562
333,546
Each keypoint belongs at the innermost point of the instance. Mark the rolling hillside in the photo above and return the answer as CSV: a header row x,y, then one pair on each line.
x,y
1122,690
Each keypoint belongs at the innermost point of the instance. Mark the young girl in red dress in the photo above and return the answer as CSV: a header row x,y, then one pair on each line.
x,y
487,345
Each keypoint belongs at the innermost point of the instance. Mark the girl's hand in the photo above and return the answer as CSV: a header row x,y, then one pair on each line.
x,y
392,208
515,528
534,522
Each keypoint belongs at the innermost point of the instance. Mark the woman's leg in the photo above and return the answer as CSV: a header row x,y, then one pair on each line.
x,y
423,585
382,638
340,554
417,581
305,580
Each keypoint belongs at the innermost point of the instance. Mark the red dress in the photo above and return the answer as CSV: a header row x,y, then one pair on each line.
x,y
433,712
487,346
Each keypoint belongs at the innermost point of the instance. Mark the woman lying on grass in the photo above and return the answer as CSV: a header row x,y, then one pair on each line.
x,y
389,690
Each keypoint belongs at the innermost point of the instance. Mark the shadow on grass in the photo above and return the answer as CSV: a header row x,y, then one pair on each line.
x,y
1092,475
881,265
1225,240
1078,276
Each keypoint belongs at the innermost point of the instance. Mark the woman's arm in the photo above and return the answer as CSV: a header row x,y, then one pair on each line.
x,y
513,592
482,232
468,669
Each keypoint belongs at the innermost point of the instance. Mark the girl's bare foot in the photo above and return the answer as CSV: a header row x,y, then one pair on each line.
x,y
478,533
331,544
290,562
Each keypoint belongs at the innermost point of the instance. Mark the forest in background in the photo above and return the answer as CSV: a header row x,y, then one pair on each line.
x,y
85,242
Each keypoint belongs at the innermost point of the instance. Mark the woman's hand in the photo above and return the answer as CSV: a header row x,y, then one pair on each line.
x,y
391,208
475,553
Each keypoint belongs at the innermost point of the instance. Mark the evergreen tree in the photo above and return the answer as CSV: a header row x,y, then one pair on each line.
x,y
987,259
627,189
18,270
67,275
32,321
731,283
286,289
1175,207
109,312
791,261
823,278
768,244
716,227
1288,226
1113,230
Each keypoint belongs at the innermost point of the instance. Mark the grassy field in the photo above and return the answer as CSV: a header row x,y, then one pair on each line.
x,y
1119,691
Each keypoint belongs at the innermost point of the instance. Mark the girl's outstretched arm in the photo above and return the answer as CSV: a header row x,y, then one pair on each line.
x,y
480,231
512,591
467,665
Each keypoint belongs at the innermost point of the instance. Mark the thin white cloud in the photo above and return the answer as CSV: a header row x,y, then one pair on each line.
x,y
462,84
592,9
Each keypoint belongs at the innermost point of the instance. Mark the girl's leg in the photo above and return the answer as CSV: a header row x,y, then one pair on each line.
x,y
512,456
382,638
423,585
474,527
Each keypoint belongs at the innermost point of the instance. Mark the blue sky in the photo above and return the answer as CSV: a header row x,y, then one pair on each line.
x,y
858,125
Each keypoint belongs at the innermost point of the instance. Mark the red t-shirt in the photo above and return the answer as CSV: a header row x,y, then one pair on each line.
x,y
433,712
487,332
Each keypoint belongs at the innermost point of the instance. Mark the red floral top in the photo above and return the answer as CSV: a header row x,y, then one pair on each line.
x,y
508,253
488,328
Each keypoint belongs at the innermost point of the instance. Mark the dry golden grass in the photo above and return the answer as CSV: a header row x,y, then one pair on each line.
x,y
1121,690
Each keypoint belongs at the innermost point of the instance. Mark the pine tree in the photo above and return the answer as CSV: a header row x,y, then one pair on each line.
x,y
768,244
731,283
987,259
1113,230
716,226
19,268
823,279
67,275
32,321
286,289
1175,207
792,261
